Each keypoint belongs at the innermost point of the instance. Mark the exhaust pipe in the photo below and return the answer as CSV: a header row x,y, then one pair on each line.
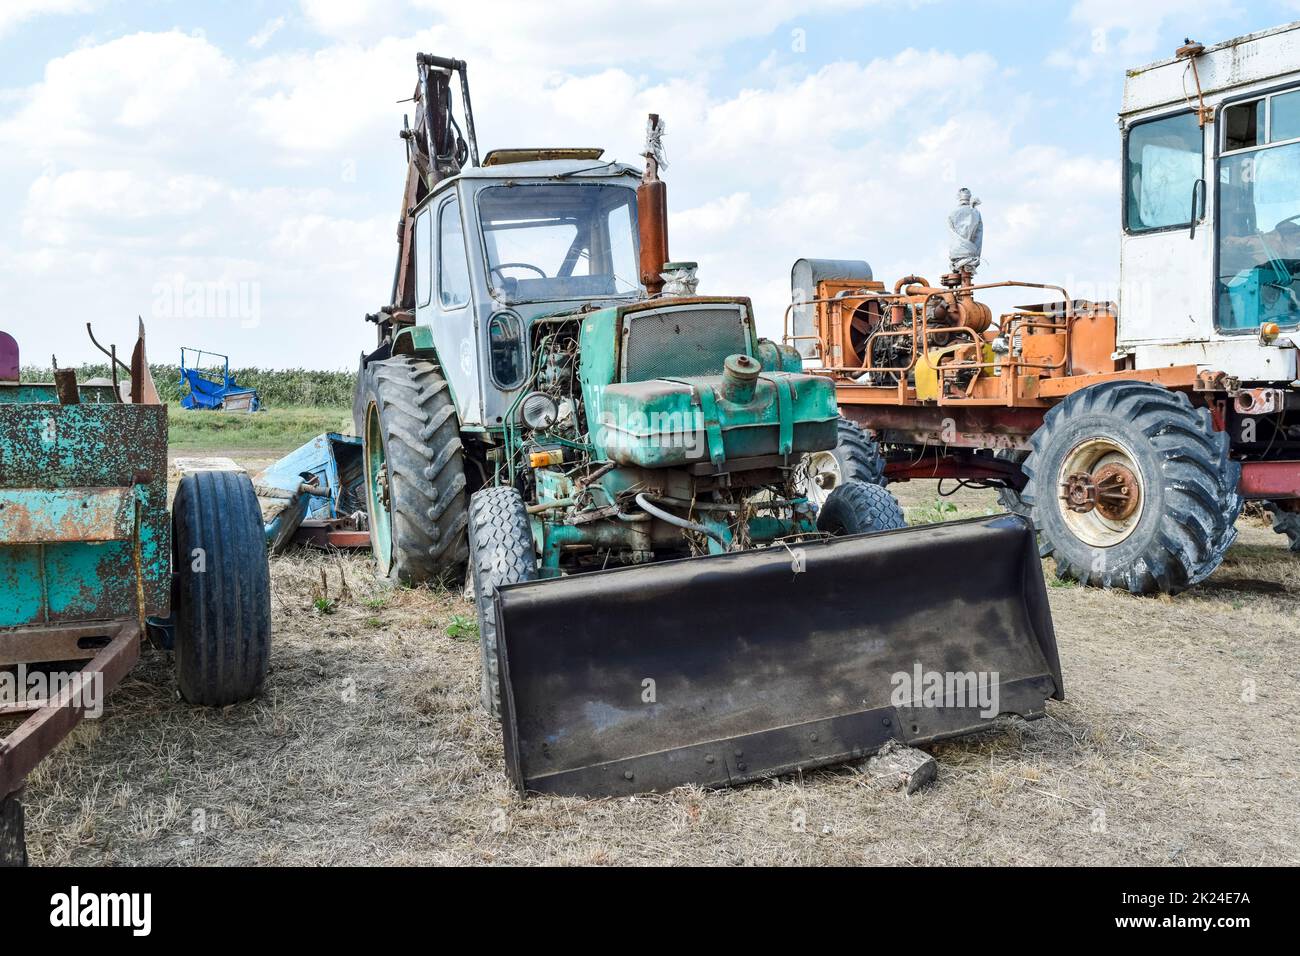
x,y
652,209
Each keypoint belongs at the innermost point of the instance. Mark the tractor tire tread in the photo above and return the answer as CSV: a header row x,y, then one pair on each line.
x,y
222,608
1200,497
501,552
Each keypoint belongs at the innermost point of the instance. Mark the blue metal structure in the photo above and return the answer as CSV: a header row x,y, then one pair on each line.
x,y
208,394
311,495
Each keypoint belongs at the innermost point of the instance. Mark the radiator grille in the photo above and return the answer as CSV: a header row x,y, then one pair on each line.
x,y
681,342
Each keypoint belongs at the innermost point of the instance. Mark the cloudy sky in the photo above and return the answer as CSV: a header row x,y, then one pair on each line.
x,y
152,148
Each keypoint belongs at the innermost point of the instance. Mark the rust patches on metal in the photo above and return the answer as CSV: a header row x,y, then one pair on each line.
x,y
23,749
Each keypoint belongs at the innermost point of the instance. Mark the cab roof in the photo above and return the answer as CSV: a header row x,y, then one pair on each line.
x,y
1225,66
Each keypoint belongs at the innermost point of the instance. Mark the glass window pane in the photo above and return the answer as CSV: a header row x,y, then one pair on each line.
x,y
1164,162
1243,125
453,267
1286,117
552,241
1259,238
423,252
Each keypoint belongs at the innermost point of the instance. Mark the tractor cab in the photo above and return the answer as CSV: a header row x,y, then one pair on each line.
x,y
1210,253
498,246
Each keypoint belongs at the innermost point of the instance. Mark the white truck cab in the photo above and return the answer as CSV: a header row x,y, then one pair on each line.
x,y
1210,249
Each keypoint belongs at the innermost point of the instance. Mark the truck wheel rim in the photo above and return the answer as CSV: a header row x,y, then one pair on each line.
x,y
1101,492
823,476
378,494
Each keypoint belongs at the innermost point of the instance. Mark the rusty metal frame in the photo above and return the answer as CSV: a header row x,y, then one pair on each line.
x,y
49,724
1270,480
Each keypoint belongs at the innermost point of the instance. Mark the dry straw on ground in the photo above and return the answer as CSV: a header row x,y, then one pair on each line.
x,y
1176,746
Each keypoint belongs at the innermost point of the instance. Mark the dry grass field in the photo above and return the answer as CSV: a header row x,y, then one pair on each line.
x,y
1176,746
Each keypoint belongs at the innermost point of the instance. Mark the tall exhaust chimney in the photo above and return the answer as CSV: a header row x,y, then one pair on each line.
x,y
652,208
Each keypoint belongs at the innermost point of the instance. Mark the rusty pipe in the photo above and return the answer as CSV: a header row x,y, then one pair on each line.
x,y
652,220
910,280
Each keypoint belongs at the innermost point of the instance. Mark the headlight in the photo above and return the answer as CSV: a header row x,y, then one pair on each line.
x,y
539,411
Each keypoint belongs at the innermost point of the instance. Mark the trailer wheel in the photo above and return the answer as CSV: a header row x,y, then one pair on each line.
x,y
856,507
855,457
13,835
501,552
1133,488
222,595
415,475
1285,522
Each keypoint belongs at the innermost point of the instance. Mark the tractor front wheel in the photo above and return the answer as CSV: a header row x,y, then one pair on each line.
x,y
501,552
1131,487
855,457
222,592
415,473
856,507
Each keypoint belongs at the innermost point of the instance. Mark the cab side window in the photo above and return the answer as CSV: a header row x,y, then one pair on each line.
x,y
423,250
453,266
1163,162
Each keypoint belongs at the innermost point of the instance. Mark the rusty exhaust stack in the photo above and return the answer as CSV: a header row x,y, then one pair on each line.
x,y
652,209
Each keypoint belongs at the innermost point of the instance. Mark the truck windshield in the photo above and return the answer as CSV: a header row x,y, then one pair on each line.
x,y
549,241
1259,215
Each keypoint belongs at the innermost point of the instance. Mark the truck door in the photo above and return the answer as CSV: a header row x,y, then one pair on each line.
x,y
1258,254
450,313
1167,247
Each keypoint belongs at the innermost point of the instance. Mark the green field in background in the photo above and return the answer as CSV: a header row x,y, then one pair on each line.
x,y
276,430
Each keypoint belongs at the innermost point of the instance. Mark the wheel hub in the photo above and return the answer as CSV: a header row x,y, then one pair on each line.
x,y
1102,491
1112,490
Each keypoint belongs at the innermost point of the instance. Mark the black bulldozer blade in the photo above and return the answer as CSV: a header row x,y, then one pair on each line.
x,y
724,669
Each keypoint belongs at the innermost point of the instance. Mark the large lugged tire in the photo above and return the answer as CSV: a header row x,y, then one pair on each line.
x,y
222,596
1154,489
855,457
856,507
415,474
1287,523
501,552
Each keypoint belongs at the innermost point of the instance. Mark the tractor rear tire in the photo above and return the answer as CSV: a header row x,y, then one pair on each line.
x,y
856,507
222,594
415,472
855,457
1173,498
1285,522
501,552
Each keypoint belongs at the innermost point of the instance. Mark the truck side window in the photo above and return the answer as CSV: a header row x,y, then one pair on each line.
x,y
1285,124
423,251
1163,161
1243,125
453,267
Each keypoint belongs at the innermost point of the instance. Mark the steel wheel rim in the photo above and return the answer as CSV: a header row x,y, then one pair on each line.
x,y
1095,528
824,476
378,498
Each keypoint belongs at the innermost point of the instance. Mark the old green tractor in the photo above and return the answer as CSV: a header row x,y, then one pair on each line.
x,y
550,402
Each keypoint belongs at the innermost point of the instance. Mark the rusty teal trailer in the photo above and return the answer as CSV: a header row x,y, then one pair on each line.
x,y
90,556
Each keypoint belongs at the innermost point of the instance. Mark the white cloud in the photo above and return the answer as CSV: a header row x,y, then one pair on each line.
x,y
353,19
146,95
230,171
14,12
263,36
1115,34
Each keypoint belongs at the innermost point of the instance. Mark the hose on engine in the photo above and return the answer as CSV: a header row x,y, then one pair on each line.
x,y
644,504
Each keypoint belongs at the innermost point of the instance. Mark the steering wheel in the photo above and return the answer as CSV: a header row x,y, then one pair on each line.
x,y
518,265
